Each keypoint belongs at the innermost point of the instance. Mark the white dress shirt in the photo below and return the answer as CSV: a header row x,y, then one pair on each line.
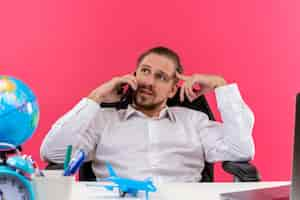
x,y
171,147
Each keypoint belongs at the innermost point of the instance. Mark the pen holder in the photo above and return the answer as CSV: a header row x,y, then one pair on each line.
x,y
53,186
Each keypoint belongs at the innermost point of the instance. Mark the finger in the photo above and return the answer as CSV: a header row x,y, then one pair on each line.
x,y
131,76
191,93
187,94
182,93
203,91
189,89
131,82
190,85
181,76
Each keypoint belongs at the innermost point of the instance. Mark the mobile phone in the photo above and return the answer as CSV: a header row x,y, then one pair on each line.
x,y
126,99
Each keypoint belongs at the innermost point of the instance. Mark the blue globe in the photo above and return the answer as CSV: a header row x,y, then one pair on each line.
x,y
19,111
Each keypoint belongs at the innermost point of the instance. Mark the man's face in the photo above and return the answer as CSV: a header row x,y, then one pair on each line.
x,y
156,81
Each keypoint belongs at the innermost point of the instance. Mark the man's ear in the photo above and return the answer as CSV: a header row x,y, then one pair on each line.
x,y
173,90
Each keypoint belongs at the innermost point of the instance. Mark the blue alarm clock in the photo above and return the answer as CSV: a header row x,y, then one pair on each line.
x,y
15,173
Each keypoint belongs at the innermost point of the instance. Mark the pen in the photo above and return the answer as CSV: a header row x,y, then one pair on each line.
x,y
75,163
67,156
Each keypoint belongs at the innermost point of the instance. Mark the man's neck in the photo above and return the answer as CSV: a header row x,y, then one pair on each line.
x,y
150,112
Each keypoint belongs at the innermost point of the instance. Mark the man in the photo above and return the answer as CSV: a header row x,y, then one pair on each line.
x,y
150,139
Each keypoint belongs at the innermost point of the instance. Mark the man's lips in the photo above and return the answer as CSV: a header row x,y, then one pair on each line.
x,y
145,91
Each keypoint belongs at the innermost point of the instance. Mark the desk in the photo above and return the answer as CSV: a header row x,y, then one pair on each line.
x,y
172,191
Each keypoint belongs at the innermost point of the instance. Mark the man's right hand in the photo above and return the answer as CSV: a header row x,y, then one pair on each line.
x,y
110,91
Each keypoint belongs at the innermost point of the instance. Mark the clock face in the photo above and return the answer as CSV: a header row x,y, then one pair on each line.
x,y
12,188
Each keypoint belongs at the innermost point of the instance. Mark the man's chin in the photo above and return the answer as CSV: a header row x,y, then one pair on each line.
x,y
145,104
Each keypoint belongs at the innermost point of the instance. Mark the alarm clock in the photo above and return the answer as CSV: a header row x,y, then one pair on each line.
x,y
15,183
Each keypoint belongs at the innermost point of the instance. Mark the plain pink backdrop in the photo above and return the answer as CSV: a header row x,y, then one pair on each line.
x,y
65,48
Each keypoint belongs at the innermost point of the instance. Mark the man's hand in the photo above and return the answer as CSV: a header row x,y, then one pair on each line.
x,y
206,82
111,91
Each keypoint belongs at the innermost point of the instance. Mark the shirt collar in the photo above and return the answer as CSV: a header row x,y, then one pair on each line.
x,y
166,112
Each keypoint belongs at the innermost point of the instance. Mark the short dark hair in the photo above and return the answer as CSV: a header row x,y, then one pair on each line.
x,y
163,51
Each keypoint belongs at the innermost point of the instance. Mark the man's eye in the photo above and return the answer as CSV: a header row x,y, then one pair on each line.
x,y
161,77
144,70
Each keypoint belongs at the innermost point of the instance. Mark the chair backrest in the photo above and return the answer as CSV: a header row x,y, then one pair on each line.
x,y
199,104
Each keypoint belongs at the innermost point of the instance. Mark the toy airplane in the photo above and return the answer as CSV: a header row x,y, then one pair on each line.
x,y
128,186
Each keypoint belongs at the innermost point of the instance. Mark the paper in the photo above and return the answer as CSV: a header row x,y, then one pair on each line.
x,y
94,191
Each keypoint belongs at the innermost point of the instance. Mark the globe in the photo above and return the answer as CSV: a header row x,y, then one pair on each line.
x,y
19,111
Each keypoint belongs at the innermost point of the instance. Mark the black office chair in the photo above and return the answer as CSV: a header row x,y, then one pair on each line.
x,y
241,171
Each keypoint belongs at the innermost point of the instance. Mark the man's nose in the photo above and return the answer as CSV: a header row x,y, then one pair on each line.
x,y
149,80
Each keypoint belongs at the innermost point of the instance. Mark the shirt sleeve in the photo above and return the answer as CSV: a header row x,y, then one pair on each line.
x,y
68,130
230,140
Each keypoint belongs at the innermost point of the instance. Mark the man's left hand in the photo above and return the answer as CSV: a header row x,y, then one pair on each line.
x,y
191,85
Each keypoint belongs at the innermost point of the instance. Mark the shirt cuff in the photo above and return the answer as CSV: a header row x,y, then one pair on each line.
x,y
228,95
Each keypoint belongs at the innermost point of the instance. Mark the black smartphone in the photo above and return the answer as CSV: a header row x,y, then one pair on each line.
x,y
127,96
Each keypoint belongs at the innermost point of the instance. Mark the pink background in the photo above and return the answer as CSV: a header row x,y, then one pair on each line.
x,y
64,49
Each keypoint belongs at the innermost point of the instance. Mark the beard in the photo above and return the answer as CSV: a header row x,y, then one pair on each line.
x,y
144,98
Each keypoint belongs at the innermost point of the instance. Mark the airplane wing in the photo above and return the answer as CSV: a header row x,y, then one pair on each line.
x,y
108,187
149,179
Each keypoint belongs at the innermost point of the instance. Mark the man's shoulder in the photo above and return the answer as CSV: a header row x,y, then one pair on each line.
x,y
111,114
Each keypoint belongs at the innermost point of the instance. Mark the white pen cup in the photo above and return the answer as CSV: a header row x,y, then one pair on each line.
x,y
53,186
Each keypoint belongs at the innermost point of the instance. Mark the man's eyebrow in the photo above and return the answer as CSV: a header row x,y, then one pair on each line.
x,y
165,73
145,65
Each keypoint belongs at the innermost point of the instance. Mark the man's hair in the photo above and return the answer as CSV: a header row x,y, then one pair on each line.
x,y
163,51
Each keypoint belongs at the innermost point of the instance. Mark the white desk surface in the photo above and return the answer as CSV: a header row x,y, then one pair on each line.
x,y
171,191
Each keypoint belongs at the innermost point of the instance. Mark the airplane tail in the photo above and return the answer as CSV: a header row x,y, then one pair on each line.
x,y
110,169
